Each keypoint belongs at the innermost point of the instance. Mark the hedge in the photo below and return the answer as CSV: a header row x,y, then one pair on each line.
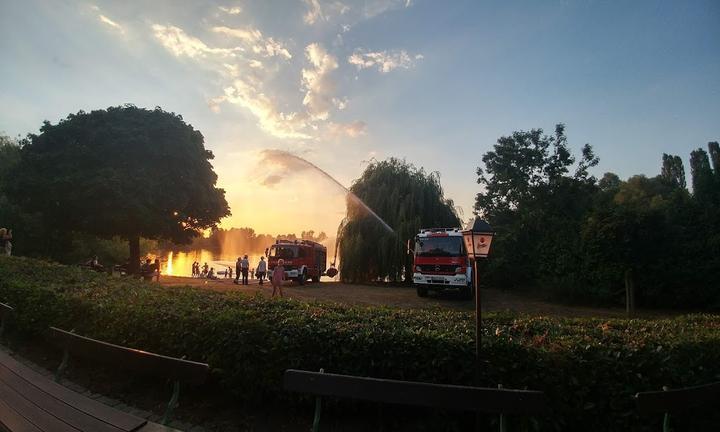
x,y
589,368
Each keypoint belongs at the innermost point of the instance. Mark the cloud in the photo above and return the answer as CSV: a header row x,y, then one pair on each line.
x,y
317,82
385,61
111,23
352,129
270,118
181,44
314,13
230,10
253,38
245,81
317,12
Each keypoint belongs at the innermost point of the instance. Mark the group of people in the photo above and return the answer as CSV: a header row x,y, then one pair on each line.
x,y
5,243
243,272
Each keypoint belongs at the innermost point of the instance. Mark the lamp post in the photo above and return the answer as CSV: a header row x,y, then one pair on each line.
x,y
478,237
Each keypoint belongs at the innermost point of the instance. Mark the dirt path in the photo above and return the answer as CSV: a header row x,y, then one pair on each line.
x,y
405,297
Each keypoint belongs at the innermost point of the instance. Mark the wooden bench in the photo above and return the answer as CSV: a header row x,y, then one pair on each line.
x,y
677,400
142,362
460,398
6,313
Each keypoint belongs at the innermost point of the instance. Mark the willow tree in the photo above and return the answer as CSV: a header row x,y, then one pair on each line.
x,y
407,199
124,171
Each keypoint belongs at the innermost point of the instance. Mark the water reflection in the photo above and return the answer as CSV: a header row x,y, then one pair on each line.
x,y
180,263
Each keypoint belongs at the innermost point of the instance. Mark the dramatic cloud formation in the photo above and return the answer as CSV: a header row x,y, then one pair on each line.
x,y
267,47
249,65
319,86
385,61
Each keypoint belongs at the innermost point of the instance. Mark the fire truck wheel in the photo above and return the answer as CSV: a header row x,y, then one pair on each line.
x,y
302,278
421,291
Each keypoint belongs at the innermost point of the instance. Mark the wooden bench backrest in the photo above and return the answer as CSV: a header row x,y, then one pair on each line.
x,y
669,401
451,397
131,359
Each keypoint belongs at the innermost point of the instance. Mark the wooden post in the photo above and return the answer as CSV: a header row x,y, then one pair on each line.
x,y
629,293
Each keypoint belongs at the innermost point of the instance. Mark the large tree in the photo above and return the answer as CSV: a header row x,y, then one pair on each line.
x,y
407,199
534,194
124,171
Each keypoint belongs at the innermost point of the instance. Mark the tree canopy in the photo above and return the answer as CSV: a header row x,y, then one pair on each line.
x,y
407,199
573,237
124,171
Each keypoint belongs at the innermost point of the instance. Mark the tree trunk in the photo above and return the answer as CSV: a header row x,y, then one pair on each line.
x,y
134,261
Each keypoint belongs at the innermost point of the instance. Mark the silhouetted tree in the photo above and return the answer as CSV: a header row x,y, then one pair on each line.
x,y
124,171
673,170
407,199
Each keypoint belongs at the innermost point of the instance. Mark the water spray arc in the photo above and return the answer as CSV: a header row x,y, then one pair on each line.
x,y
290,159
279,154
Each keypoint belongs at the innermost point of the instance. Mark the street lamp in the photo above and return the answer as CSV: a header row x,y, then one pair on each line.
x,y
478,237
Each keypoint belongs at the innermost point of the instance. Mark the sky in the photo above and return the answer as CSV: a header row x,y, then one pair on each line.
x,y
343,82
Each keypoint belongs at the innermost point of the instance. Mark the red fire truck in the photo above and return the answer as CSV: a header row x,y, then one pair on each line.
x,y
441,262
302,259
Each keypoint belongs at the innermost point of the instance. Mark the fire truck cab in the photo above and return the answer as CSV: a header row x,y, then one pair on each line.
x,y
302,259
440,262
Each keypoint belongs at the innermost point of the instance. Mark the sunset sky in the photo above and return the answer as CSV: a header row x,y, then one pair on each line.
x,y
341,82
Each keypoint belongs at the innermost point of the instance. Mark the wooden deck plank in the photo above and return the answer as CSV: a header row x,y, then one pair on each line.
x,y
56,407
34,414
119,419
11,420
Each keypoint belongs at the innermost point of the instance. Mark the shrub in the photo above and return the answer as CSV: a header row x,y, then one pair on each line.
x,y
589,368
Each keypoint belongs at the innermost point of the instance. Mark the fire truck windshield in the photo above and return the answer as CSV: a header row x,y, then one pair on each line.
x,y
284,252
439,246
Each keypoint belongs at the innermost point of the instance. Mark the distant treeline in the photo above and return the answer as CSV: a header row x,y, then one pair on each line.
x,y
572,236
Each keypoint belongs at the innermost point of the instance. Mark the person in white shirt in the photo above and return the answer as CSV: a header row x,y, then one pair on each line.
x,y
245,267
261,269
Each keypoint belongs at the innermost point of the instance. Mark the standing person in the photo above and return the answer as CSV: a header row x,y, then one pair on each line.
x,y
261,269
278,275
157,269
205,270
245,264
192,271
238,270
229,272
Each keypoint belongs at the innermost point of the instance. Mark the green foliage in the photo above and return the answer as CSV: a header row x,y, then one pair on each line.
x,y
406,198
536,208
124,171
589,368
574,239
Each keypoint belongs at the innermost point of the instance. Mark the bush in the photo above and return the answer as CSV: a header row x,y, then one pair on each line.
x,y
589,368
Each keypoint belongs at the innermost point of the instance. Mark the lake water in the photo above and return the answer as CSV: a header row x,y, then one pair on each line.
x,y
176,263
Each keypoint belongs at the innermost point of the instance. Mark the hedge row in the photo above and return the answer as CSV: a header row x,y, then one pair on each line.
x,y
589,368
